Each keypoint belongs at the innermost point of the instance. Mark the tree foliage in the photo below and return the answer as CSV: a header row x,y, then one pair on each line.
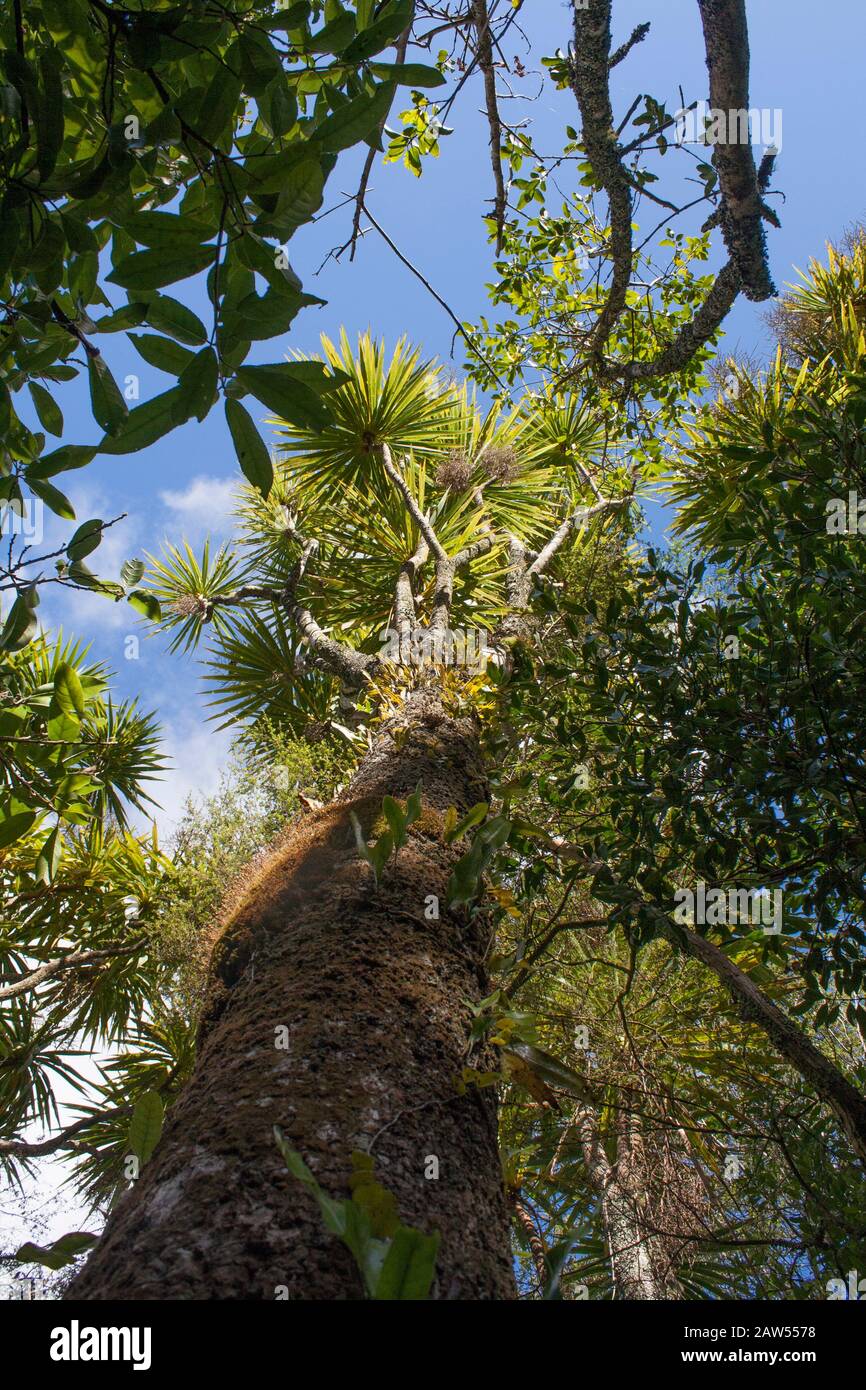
x,y
691,1087
161,145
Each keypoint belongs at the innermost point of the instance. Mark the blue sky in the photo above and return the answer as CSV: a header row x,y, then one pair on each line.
x,y
807,61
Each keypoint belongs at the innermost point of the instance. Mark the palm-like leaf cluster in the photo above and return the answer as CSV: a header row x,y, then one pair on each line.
x,y
334,530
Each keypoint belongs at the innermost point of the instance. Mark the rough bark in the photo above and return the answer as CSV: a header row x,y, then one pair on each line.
x,y
533,1239
634,1261
373,995
590,81
727,43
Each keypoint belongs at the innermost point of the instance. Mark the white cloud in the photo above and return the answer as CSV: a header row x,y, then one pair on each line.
x,y
197,753
205,506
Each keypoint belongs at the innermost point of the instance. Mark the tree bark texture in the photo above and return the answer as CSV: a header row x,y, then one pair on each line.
x,y
374,996
638,1269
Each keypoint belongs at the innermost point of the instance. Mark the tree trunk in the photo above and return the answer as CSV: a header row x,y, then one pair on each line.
x,y
828,1082
537,1251
635,1261
372,991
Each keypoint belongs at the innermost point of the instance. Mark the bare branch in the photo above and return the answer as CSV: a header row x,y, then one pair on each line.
x,y
469,553
571,523
404,595
590,82
742,210
726,37
19,1148
72,961
484,53
338,658
467,336
342,661
401,46
444,594
421,521
638,34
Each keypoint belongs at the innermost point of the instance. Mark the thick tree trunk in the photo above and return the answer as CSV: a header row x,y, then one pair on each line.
x,y
372,991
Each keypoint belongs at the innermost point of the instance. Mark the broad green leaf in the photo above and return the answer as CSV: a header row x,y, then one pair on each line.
x,y
145,1127
62,460
145,603
408,74
174,318
279,386
53,498
396,820
381,852
335,35
381,33
58,1255
68,696
473,817
109,408
159,230
198,384
409,1266
356,120
300,189
289,16
49,113
49,857
146,423
14,826
21,622
49,412
129,316
413,806
86,539
149,270
162,353
252,452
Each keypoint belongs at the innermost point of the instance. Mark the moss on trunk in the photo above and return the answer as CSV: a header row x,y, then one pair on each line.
x,y
372,992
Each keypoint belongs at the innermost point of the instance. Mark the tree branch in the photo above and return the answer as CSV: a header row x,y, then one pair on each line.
x,y
467,336
571,523
338,658
415,512
742,210
404,594
68,962
400,57
690,338
590,83
484,53
469,553
19,1148
726,37
638,34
